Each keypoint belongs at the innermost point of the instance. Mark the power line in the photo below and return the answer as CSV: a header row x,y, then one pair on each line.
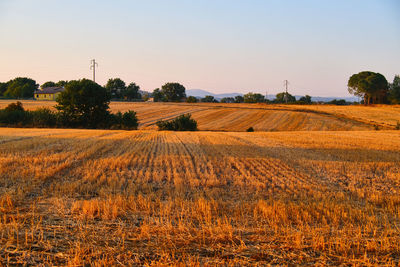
x,y
93,65
286,83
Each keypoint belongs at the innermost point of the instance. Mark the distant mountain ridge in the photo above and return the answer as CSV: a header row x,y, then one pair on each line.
x,y
202,93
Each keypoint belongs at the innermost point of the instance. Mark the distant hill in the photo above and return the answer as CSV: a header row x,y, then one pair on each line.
x,y
327,99
202,93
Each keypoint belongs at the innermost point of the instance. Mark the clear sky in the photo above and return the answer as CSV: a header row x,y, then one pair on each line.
x,y
216,45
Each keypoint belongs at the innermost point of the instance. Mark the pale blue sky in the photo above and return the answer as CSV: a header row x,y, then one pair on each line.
x,y
216,45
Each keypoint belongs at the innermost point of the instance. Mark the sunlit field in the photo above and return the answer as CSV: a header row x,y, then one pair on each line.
x,y
75,197
262,117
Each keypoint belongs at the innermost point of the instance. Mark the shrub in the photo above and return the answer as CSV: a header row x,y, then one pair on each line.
x,y
15,107
180,123
209,99
127,120
15,117
253,98
44,117
251,129
340,102
398,125
191,99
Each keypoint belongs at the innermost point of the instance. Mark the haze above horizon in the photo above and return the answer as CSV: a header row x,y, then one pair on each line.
x,y
219,46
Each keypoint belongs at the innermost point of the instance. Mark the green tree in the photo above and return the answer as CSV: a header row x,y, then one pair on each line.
x,y
305,99
281,98
338,102
373,87
239,99
21,88
84,103
145,96
3,88
127,120
394,92
48,84
173,92
116,87
158,96
253,98
61,83
208,99
132,92
227,100
191,99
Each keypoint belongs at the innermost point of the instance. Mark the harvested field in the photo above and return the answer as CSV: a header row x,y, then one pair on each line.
x,y
381,115
262,117
75,197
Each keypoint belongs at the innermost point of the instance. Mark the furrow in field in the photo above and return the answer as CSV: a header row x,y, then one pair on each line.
x,y
44,159
276,161
194,160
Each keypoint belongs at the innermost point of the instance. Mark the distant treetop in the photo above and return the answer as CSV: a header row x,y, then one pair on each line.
x,y
373,87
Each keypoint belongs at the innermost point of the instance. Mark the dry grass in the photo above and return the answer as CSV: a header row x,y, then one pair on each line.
x,y
262,117
75,197
381,115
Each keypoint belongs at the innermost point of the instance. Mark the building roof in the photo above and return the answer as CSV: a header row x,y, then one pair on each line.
x,y
50,90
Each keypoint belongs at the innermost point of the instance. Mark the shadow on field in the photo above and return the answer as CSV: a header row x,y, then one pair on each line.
x,y
159,147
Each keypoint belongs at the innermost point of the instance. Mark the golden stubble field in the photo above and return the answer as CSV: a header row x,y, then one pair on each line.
x,y
262,117
75,197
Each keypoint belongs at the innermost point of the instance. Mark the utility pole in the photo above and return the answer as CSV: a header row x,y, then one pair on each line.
x,y
286,83
93,65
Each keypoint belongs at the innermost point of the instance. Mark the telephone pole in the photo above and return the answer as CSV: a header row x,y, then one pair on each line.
x,y
93,65
286,83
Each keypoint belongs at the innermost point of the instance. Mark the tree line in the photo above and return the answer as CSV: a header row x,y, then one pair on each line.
x,y
22,87
252,98
83,104
372,87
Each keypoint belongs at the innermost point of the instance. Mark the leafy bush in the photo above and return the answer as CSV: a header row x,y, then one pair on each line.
x,y
180,123
191,99
15,107
398,125
251,129
15,117
340,102
209,99
127,120
253,98
44,117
